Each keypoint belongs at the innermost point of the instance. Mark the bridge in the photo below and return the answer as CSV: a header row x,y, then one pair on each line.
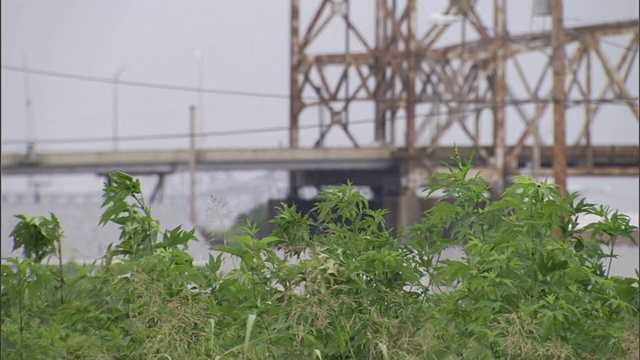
x,y
607,160
423,90
380,167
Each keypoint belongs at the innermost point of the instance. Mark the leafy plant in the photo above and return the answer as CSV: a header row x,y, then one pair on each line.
x,y
139,234
39,237
517,271
125,206
335,284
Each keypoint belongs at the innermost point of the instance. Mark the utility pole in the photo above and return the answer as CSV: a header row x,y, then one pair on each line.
x,y
115,110
559,121
30,123
200,56
192,165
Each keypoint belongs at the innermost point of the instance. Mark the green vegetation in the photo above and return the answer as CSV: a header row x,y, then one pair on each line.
x,y
531,285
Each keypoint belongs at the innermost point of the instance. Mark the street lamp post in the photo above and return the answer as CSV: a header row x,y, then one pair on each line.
x,y
115,122
30,123
200,58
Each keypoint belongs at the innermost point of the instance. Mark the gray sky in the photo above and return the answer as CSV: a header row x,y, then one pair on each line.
x,y
245,47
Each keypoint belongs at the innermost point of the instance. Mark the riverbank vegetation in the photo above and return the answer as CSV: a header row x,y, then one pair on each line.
x,y
532,284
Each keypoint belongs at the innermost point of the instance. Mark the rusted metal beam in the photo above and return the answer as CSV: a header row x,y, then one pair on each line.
x,y
412,178
588,111
626,58
437,30
559,96
615,79
523,43
405,76
295,100
295,93
381,79
310,34
541,108
500,95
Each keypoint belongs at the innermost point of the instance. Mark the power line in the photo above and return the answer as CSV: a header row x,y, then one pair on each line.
x,y
511,103
254,94
150,137
96,79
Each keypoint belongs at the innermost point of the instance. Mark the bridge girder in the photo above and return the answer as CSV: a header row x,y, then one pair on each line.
x,y
454,85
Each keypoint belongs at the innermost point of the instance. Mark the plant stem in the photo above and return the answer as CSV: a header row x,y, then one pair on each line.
x,y
61,272
611,246
21,309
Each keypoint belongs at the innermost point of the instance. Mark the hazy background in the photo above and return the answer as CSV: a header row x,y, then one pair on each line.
x,y
239,46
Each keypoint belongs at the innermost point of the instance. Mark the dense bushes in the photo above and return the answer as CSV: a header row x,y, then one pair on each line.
x,y
531,284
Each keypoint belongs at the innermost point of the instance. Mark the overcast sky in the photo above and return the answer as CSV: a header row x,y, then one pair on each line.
x,y
244,46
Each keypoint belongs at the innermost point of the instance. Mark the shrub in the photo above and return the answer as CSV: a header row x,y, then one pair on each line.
x,y
532,283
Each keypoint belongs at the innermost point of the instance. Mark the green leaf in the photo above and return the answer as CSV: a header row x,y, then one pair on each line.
x,y
232,250
38,237
267,241
453,270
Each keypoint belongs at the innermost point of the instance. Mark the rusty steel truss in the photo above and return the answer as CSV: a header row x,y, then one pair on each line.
x,y
426,84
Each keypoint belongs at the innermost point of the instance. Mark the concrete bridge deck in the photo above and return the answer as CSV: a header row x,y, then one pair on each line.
x,y
607,160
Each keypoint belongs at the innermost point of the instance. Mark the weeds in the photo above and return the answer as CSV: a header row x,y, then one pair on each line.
x,y
344,287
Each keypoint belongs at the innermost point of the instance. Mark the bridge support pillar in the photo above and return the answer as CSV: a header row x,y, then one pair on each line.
x,y
388,189
404,210
158,192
